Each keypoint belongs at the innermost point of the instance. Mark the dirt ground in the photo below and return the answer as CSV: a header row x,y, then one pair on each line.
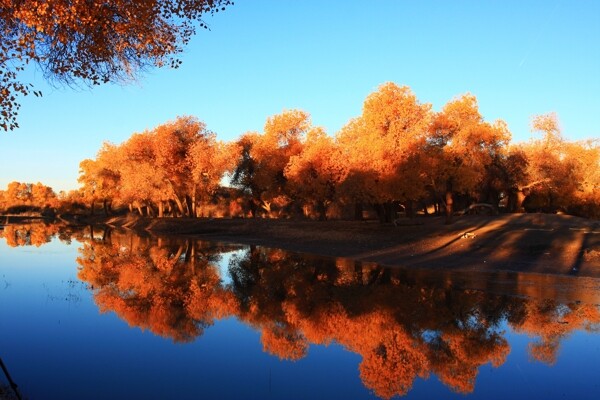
x,y
538,243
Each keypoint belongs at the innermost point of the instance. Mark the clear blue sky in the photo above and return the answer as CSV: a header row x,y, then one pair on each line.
x,y
260,57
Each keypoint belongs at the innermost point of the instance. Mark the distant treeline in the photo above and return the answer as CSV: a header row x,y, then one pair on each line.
x,y
397,158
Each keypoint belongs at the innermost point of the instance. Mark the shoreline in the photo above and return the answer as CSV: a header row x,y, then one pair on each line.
x,y
533,255
531,243
534,243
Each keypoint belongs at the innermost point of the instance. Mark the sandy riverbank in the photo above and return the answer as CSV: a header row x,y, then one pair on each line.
x,y
539,243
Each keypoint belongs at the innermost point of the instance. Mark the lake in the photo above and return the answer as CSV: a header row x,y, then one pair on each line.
x,y
105,314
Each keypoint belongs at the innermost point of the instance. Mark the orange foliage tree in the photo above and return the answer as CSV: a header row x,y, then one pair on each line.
x,y
209,160
396,155
174,167
383,149
20,196
260,169
100,178
462,145
315,174
559,175
91,42
545,171
585,156
142,184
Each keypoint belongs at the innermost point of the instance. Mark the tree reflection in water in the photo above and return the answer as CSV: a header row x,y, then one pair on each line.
x,y
404,325
402,329
36,234
171,288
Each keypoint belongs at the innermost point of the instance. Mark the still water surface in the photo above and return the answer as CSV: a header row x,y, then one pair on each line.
x,y
94,314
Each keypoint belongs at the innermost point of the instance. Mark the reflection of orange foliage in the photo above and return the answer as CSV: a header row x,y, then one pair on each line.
x,y
403,329
322,303
29,235
283,344
392,358
544,352
456,357
552,322
208,302
155,288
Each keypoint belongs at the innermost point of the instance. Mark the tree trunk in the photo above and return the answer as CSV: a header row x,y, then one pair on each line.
x,y
410,209
179,206
186,257
105,234
358,273
105,206
380,212
193,257
449,202
190,207
390,211
92,208
161,207
519,199
321,209
384,211
358,211
252,206
180,251
193,203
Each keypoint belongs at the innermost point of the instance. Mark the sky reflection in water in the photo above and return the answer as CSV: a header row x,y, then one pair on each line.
x,y
123,316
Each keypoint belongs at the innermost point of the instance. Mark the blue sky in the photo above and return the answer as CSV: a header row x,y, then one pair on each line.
x,y
520,58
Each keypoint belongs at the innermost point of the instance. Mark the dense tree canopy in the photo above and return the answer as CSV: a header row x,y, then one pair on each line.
x,y
552,173
174,166
21,196
383,148
316,173
397,157
91,42
260,170
463,144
